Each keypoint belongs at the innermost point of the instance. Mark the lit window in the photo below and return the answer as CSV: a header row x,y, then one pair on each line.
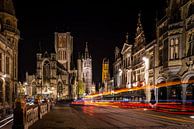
x,y
174,48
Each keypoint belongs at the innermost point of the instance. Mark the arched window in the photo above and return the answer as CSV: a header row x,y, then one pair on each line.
x,y
46,72
60,89
190,51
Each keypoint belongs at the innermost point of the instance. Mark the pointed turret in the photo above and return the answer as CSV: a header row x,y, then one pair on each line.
x,y
127,38
86,51
140,37
7,6
139,29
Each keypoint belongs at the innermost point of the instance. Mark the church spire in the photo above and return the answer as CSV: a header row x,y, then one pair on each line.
x,y
127,38
86,51
139,25
140,37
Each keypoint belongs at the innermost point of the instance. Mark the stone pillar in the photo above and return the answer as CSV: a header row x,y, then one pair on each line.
x,y
168,93
11,94
3,96
184,97
156,94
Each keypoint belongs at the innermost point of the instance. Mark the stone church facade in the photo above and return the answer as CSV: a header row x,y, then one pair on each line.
x,y
9,38
54,77
164,67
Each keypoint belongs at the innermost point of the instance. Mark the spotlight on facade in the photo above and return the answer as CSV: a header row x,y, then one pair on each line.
x,y
146,60
4,75
120,72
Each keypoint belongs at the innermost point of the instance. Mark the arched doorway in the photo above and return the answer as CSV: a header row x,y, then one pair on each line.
x,y
59,90
162,93
175,91
190,92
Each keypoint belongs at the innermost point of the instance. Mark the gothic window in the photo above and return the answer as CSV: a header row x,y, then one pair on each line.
x,y
0,62
7,65
59,89
174,48
191,45
46,71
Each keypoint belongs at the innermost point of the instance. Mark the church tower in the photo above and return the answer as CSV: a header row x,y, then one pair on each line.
x,y
87,70
64,48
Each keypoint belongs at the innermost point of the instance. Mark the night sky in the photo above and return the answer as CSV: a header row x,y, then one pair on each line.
x,y
102,24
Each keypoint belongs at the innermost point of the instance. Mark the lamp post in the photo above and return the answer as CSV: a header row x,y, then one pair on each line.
x,y
146,75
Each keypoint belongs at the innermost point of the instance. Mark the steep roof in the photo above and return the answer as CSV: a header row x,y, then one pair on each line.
x,y
7,6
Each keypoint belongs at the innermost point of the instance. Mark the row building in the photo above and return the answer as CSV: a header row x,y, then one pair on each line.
x,y
9,38
164,67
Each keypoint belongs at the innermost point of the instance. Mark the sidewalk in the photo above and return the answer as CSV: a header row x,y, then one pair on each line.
x,y
61,117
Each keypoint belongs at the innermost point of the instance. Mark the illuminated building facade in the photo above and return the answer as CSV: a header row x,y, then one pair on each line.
x,y
105,74
54,77
84,65
168,59
175,51
9,37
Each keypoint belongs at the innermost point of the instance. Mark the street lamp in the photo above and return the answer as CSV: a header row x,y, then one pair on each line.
x,y
146,76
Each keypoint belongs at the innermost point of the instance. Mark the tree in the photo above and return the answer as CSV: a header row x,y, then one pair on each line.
x,y
80,88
